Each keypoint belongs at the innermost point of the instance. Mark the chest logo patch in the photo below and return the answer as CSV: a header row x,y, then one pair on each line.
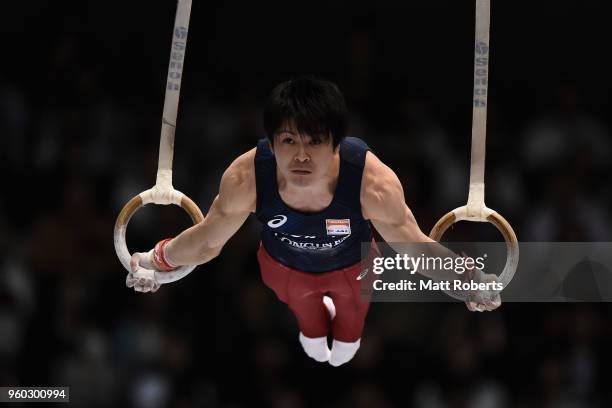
x,y
277,221
338,227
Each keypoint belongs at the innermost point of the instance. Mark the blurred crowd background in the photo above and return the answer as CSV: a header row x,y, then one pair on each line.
x,y
81,93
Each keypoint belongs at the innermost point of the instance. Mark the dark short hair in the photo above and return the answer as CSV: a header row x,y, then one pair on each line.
x,y
315,106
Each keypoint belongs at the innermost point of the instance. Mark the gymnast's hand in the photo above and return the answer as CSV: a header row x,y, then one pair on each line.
x,y
142,274
483,300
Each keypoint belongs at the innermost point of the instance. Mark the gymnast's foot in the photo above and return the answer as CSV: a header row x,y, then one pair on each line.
x,y
342,352
315,348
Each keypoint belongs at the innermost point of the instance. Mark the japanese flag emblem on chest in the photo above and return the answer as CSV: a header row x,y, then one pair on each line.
x,y
338,227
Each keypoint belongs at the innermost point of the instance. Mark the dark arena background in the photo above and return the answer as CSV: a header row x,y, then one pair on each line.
x,y
81,95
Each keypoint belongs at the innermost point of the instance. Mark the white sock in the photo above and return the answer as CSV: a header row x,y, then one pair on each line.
x,y
343,352
331,308
315,348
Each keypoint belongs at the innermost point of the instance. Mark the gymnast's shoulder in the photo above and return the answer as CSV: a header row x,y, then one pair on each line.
x,y
238,183
381,190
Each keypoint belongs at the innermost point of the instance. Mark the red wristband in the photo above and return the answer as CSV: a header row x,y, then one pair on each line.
x,y
159,258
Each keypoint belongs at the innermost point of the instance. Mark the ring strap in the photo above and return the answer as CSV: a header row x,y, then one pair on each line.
x,y
173,88
476,201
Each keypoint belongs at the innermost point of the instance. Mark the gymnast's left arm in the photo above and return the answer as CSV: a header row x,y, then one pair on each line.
x,y
383,203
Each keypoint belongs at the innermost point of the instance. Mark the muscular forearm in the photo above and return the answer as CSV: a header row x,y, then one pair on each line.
x,y
408,240
188,249
433,259
433,249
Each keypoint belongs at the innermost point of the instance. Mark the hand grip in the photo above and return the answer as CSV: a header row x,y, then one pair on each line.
x,y
121,227
512,247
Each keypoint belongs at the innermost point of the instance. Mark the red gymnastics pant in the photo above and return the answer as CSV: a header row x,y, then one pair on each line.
x,y
303,292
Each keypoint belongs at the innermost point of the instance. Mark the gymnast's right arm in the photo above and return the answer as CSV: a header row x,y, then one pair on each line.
x,y
204,241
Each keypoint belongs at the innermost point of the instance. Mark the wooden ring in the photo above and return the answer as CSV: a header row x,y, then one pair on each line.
x,y
512,246
121,227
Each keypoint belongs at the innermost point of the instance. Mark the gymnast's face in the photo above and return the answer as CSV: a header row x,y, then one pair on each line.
x,y
301,159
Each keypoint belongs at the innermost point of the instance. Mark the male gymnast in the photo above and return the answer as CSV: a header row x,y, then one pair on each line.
x,y
317,193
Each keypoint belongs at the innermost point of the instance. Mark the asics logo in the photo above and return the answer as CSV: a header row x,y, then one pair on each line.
x,y
363,274
277,221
